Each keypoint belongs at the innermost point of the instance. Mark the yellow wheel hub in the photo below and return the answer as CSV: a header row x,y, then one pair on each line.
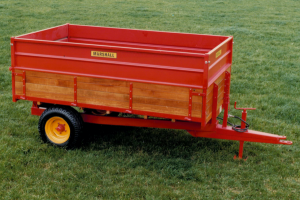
x,y
57,130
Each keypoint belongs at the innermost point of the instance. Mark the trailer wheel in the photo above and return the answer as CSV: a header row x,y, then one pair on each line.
x,y
61,126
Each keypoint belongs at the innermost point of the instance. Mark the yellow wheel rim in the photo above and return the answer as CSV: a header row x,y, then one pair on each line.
x,y
57,130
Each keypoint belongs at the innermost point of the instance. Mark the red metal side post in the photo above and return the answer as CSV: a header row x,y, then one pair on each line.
x,y
215,104
130,97
12,44
226,98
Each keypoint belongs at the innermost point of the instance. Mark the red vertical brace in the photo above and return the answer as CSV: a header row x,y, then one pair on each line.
x,y
75,91
130,97
68,32
203,123
244,117
215,104
13,80
12,51
205,85
241,149
24,85
226,98
190,102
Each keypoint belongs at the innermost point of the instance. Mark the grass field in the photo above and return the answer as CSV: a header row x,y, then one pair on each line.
x,y
143,163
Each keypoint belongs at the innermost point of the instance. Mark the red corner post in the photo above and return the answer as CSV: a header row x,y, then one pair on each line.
x,y
226,98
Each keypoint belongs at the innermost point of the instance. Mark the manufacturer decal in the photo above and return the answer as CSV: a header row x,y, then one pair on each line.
x,y
103,54
219,53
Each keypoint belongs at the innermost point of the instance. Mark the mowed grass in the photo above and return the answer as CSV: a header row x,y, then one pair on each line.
x,y
145,163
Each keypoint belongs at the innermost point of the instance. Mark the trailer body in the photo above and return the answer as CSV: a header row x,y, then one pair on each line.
x,y
183,78
160,74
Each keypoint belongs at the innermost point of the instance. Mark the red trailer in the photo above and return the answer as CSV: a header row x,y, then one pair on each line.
x,y
182,78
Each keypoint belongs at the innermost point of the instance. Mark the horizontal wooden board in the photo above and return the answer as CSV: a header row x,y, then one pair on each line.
x,y
103,102
160,94
19,88
208,117
166,88
220,79
209,90
209,107
49,75
50,82
103,88
19,83
18,78
209,99
50,89
102,95
160,109
48,95
197,99
197,113
197,90
165,102
101,81
161,102
18,71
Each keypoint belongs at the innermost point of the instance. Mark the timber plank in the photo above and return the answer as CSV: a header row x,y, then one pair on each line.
x,y
209,107
103,102
103,88
160,94
48,95
209,113
49,88
157,87
197,90
220,79
18,71
49,75
197,113
197,99
209,90
101,81
102,95
51,82
19,88
160,109
18,79
165,102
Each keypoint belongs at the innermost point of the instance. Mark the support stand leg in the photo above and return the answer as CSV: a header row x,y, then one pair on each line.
x,y
241,149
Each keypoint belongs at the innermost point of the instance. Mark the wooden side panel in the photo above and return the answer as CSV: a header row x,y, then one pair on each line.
x,y
146,97
162,99
209,99
103,92
46,85
18,83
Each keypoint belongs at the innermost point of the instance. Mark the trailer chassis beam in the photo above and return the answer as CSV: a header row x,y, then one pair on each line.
x,y
215,131
212,130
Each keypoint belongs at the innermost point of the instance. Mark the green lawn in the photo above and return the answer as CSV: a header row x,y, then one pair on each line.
x,y
143,163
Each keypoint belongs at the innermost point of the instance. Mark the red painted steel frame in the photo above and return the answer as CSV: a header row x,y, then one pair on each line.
x,y
212,130
187,60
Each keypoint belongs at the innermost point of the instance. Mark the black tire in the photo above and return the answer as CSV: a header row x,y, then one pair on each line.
x,y
114,114
74,124
96,112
